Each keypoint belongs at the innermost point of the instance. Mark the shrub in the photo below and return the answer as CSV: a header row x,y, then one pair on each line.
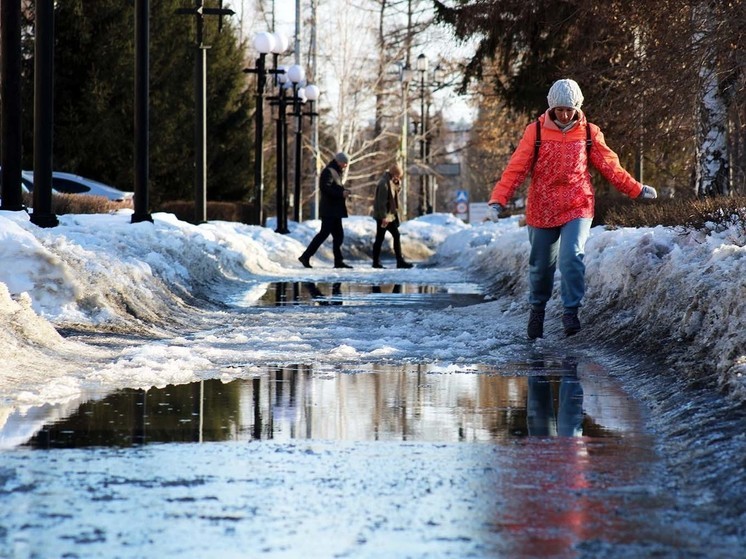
x,y
701,214
220,211
79,204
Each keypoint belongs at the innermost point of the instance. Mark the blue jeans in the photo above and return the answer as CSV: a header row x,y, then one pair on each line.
x,y
568,243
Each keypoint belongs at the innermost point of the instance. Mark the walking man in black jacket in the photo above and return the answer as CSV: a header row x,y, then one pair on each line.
x,y
332,208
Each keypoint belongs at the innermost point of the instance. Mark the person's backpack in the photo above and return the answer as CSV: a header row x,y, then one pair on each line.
x,y
537,143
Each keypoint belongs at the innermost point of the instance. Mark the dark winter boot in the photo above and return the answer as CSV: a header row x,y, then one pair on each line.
x,y
536,324
571,322
305,260
377,264
403,264
340,264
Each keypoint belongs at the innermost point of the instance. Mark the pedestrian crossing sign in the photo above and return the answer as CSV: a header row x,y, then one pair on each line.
x,y
462,196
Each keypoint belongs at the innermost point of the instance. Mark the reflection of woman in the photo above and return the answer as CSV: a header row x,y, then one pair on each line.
x,y
568,421
386,214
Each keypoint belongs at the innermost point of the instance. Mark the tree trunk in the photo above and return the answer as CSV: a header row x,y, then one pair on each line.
x,y
711,172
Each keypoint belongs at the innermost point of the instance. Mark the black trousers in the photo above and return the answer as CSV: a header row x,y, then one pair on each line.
x,y
329,226
393,228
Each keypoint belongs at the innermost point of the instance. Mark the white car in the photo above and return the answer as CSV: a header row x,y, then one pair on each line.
x,y
67,183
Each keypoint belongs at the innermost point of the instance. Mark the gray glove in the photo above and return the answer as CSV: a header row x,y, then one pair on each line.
x,y
495,211
648,193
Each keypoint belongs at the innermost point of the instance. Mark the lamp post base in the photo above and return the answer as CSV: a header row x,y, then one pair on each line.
x,y
44,220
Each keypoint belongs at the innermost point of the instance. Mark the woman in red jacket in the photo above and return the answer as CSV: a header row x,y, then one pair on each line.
x,y
559,209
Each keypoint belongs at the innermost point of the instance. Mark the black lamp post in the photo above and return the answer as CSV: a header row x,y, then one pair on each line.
x,y
281,189
142,112
300,96
281,44
296,74
10,104
311,94
263,42
422,69
290,78
426,195
43,115
200,94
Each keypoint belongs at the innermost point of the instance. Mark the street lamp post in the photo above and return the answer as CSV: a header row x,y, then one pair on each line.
x,y
297,75
10,106
199,11
405,77
312,94
264,43
281,163
301,95
437,82
427,194
43,115
281,44
142,111
422,69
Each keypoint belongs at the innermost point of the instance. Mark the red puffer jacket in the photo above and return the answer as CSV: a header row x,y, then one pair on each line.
x,y
560,188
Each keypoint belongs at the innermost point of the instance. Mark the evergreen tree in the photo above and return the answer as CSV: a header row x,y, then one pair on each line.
x,y
94,100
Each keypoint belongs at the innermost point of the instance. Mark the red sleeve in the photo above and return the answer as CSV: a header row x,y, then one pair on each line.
x,y
606,161
518,168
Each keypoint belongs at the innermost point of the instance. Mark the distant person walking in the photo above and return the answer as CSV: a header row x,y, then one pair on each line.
x,y
386,214
332,208
557,150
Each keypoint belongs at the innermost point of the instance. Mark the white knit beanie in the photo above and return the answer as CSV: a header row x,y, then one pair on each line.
x,y
565,93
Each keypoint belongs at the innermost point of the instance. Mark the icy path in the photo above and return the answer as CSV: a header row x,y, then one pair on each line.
x,y
594,496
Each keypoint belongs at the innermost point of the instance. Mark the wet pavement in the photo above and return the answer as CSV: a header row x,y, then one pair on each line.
x,y
547,455
437,461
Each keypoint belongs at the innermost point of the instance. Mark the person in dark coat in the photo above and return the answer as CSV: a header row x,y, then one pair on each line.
x,y
386,214
332,208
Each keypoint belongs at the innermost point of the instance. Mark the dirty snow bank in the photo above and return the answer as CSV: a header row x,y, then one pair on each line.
x,y
680,295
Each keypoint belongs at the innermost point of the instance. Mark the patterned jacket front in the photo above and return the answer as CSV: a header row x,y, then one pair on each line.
x,y
560,188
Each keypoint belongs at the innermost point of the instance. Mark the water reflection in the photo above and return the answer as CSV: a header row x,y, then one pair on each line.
x,y
319,297
372,402
341,293
556,410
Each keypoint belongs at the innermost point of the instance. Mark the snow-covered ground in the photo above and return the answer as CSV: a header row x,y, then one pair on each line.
x,y
677,295
99,304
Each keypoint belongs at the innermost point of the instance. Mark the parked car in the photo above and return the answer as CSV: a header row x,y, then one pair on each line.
x,y
67,183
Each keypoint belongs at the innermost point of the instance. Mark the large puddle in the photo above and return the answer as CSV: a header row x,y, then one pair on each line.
x,y
544,396
542,458
356,294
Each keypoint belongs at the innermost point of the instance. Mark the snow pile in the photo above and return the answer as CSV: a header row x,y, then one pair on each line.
x,y
665,291
659,290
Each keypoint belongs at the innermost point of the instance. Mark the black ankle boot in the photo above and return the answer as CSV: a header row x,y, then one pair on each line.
x,y
536,324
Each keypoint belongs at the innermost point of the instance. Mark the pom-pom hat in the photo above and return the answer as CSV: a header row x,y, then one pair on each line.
x,y
565,93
